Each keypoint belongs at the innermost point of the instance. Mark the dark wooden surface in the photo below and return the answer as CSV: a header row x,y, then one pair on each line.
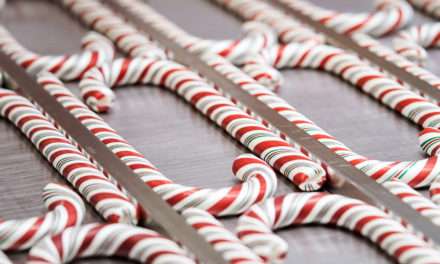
x,y
184,144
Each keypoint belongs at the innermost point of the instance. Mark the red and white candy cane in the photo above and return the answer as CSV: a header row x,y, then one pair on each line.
x,y
411,43
431,7
221,239
93,185
429,140
259,180
389,55
102,19
303,172
104,240
416,200
415,173
389,16
66,209
255,226
288,29
96,50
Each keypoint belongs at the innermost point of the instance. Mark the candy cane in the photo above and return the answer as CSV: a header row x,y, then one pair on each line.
x,y
222,240
417,174
389,55
290,162
389,16
4,259
66,209
96,50
102,19
287,29
254,227
98,190
104,240
411,43
259,180
431,7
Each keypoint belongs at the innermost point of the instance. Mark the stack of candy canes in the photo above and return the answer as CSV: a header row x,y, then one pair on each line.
x,y
272,41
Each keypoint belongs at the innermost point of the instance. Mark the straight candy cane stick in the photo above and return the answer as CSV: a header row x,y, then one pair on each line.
x,y
66,209
304,173
96,51
389,16
221,239
93,185
104,240
255,226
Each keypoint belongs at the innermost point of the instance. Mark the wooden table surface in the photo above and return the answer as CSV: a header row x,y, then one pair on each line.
x,y
184,144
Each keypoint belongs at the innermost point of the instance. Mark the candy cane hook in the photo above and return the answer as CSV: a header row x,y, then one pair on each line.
x,y
412,43
96,50
103,240
190,86
66,209
255,226
93,185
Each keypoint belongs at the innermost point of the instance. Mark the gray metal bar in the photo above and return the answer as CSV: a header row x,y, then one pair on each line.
x,y
160,212
356,183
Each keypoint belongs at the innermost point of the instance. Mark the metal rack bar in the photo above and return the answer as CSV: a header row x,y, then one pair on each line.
x,y
160,212
356,183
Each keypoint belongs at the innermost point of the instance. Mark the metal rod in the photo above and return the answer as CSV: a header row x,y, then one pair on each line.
x,y
160,212
347,42
356,183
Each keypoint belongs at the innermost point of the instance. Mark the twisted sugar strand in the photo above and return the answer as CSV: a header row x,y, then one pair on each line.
x,y
390,15
104,240
411,43
96,50
189,85
220,238
415,173
288,29
66,209
383,51
102,19
4,259
431,7
98,190
259,180
254,227
414,199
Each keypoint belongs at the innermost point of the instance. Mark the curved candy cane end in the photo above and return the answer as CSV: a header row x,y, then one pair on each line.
x,y
94,41
429,141
246,166
55,195
310,179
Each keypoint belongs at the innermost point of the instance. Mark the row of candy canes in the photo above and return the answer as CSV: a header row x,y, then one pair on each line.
x,y
67,210
400,189
409,43
316,56
275,151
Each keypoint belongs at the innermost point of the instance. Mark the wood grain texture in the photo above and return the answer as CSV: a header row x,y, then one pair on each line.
x,y
185,145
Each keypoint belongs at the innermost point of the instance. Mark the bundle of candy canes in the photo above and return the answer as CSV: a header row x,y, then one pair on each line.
x,y
245,167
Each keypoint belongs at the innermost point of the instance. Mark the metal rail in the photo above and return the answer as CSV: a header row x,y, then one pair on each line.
x,y
161,213
356,183
347,42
